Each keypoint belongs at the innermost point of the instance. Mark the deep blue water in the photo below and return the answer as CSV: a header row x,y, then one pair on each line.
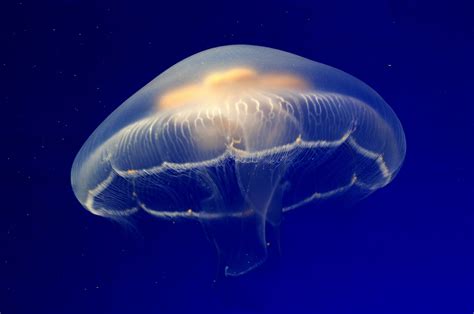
x,y
408,248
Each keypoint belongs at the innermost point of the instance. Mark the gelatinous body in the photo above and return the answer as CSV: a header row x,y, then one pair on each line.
x,y
235,136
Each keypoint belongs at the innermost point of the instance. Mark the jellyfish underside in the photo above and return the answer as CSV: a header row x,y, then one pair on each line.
x,y
234,137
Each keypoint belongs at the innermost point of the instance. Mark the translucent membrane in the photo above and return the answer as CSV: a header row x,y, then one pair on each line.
x,y
233,137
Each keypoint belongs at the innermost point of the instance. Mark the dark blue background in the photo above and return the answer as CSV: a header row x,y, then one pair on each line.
x,y
409,248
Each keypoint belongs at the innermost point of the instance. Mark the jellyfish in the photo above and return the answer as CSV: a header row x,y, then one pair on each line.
x,y
234,137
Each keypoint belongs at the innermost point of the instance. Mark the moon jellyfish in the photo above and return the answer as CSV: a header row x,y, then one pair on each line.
x,y
234,137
